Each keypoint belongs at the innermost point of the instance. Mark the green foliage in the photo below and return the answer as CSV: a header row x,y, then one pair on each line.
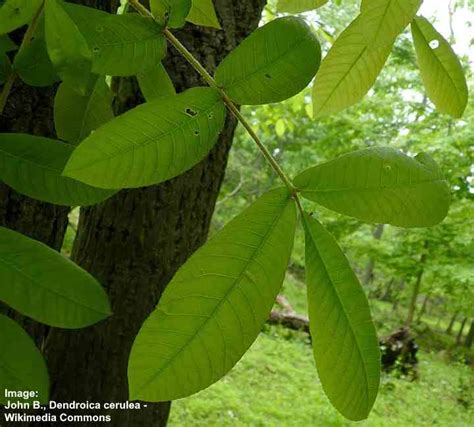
x,y
167,137
171,13
440,69
67,47
21,365
380,185
216,305
298,6
121,45
274,63
33,166
355,60
76,115
203,13
156,83
42,284
16,13
345,344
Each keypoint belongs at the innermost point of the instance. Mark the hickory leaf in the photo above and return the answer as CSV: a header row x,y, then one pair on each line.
x,y
299,6
67,47
203,13
344,340
274,63
33,166
355,60
156,83
21,365
121,45
16,13
380,185
151,143
441,71
75,115
40,283
216,305
171,13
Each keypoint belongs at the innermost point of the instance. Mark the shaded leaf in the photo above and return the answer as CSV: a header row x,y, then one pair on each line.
x,y
156,83
299,6
216,305
274,63
21,365
203,13
151,143
33,166
75,115
171,13
121,45
42,284
442,73
67,47
380,185
355,60
16,13
344,340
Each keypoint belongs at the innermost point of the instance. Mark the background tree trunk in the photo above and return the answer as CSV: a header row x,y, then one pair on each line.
x,y
470,336
136,241
369,268
461,330
449,330
416,289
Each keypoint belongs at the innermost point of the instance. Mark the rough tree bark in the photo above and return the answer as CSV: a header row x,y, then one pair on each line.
x,y
135,242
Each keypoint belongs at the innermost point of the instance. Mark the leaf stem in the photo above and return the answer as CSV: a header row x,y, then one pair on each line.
x,y
24,43
229,103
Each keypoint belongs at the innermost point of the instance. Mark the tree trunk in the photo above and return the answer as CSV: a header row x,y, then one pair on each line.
x,y
423,308
449,330
416,289
461,330
470,336
369,269
136,241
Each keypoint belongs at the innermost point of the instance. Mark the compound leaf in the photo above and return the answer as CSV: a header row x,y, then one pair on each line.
x,y
299,6
33,166
171,13
355,60
21,365
75,115
156,83
345,343
121,45
216,305
274,63
67,47
16,13
44,285
441,71
151,143
203,13
380,185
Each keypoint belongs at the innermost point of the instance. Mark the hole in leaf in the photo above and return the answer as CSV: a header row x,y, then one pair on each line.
x,y
434,44
210,115
387,168
190,112
96,49
268,76
196,132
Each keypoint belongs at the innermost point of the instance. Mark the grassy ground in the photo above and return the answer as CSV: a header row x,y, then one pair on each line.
x,y
275,384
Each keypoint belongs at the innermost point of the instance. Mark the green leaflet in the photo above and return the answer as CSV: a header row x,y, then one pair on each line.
x,y
274,63
16,13
67,47
156,83
355,60
32,63
151,143
121,45
216,305
380,185
171,13
299,6
203,13
345,344
442,73
40,283
75,115
21,365
33,166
